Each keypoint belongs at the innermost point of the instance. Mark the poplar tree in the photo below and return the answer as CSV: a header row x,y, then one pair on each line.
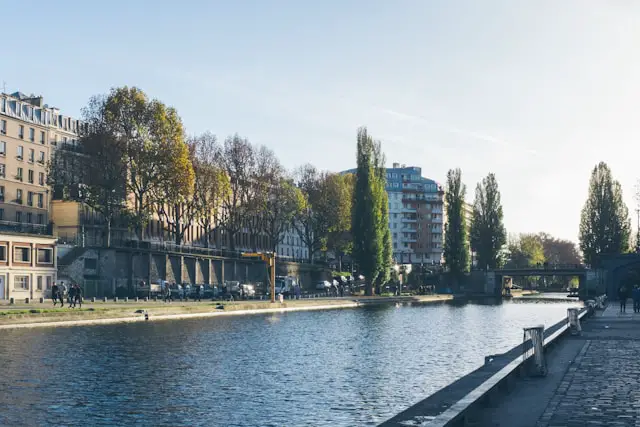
x,y
456,249
488,234
605,225
370,214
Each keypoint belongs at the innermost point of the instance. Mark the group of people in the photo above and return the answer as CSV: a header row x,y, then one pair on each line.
x,y
169,289
623,296
73,294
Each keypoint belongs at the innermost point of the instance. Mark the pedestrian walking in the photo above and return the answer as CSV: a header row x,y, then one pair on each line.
x,y
71,299
622,296
78,296
167,293
198,292
54,294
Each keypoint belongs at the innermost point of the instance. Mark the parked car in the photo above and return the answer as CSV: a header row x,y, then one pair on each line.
x,y
323,285
249,291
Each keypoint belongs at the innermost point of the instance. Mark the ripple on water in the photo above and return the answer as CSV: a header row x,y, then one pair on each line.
x,y
327,368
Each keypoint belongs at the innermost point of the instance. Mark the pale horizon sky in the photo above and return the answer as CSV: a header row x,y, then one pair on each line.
x,y
536,92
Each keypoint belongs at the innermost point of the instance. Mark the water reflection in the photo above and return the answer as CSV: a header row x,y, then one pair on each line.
x,y
338,367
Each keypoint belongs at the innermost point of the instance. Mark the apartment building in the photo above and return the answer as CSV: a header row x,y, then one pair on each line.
x,y
29,131
415,215
292,246
28,265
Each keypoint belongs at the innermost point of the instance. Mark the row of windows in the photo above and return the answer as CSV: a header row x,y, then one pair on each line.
x,y
32,134
23,254
26,218
19,197
41,115
21,283
20,153
20,175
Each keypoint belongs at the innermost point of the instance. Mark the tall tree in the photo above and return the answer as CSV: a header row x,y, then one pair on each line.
x,y
456,250
368,224
92,173
382,227
174,189
211,185
238,163
340,194
267,172
311,220
488,234
604,223
281,207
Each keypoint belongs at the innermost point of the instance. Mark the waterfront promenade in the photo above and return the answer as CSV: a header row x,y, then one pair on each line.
x,y
593,380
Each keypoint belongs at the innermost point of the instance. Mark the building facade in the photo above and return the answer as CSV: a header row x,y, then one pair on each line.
x,y
292,247
28,265
29,132
416,215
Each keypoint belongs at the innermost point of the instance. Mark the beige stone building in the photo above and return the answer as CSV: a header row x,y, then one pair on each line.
x,y
29,132
28,265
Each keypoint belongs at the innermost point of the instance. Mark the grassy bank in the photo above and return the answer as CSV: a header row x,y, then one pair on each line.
x,y
46,313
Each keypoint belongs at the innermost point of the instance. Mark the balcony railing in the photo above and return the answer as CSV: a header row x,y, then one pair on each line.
x,y
21,227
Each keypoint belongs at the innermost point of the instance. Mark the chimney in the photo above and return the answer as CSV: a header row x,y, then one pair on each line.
x,y
396,165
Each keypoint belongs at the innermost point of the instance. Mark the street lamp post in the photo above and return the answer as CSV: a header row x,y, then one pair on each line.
x,y
638,231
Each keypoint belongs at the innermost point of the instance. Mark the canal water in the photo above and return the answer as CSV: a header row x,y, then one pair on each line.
x,y
346,367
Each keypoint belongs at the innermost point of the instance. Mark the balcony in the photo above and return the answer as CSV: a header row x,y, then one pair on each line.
x,y
409,219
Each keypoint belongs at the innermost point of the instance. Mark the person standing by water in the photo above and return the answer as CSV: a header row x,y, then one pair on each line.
x,y
622,296
78,296
635,295
72,296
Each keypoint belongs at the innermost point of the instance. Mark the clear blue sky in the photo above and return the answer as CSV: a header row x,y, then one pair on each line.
x,y
537,92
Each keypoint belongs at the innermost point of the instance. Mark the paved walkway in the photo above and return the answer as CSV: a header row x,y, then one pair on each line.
x,y
602,386
593,380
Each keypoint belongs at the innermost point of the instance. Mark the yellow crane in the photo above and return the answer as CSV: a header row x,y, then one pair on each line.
x,y
270,259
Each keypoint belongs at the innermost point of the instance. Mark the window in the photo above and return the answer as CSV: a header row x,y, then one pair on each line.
x,y
21,132
41,178
48,281
40,202
3,253
18,216
21,283
30,176
40,219
3,170
32,155
39,283
3,127
41,158
29,200
41,137
29,217
45,256
19,196
20,152
3,148
19,174
1,194
32,134
55,139
3,105
21,254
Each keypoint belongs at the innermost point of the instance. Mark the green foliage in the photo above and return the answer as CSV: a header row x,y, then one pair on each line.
x,y
211,184
340,195
525,250
605,226
314,209
456,250
488,234
559,251
370,216
281,207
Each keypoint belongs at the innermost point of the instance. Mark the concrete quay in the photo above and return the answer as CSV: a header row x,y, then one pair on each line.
x,y
593,380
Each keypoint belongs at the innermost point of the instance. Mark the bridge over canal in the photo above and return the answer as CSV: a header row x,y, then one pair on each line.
x,y
605,276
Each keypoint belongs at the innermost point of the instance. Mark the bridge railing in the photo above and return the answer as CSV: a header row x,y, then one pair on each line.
x,y
546,267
